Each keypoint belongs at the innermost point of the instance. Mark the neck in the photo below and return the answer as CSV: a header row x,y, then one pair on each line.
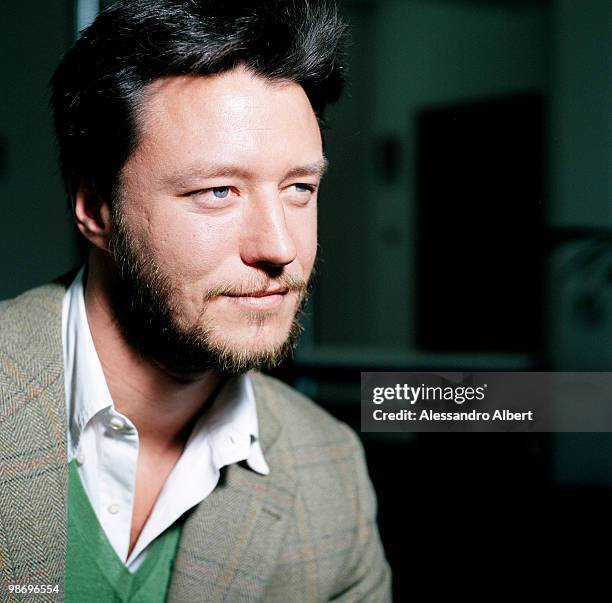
x,y
161,407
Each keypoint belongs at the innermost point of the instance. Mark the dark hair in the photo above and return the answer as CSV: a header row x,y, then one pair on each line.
x,y
97,87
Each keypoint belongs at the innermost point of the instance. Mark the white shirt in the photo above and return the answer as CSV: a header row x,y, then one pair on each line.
x,y
105,443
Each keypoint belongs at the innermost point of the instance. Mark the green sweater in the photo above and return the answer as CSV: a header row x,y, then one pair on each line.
x,y
94,572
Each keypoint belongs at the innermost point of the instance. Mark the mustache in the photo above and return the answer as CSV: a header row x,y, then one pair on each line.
x,y
287,282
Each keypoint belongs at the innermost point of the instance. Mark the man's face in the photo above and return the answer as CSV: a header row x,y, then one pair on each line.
x,y
215,226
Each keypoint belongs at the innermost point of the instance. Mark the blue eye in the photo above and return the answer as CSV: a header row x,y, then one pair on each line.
x,y
304,188
220,192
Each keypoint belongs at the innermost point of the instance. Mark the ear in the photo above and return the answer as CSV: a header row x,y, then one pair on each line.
x,y
92,213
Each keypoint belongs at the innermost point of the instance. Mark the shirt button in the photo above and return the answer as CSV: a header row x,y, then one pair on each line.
x,y
116,424
114,508
80,458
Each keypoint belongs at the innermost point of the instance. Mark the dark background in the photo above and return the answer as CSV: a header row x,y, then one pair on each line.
x,y
465,225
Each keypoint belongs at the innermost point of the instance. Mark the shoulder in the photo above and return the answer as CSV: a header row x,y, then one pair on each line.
x,y
30,343
31,367
53,289
304,422
315,447
37,306
23,317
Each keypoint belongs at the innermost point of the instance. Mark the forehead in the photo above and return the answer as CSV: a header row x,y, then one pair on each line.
x,y
233,116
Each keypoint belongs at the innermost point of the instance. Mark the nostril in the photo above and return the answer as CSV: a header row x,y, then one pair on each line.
x,y
272,270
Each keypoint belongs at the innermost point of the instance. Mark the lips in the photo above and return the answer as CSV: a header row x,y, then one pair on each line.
x,y
266,293
255,301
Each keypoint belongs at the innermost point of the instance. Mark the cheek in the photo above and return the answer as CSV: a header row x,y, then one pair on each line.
x,y
188,245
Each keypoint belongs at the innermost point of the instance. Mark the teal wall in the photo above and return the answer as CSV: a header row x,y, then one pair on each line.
x,y
36,240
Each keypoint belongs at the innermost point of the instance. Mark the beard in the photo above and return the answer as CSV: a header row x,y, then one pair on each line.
x,y
144,302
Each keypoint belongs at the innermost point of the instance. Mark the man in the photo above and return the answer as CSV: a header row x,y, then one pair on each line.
x,y
144,457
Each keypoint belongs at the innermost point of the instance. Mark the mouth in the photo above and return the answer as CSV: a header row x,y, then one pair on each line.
x,y
260,300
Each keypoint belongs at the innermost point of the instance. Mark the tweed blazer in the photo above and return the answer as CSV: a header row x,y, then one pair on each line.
x,y
304,533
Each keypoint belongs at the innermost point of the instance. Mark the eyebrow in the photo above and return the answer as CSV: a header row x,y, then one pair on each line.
x,y
185,177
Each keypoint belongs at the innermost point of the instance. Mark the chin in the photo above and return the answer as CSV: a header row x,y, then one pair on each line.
x,y
262,347
252,329
253,344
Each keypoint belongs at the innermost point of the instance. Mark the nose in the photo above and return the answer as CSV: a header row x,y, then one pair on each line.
x,y
266,239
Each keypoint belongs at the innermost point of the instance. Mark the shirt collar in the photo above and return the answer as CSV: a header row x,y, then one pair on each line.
x,y
86,389
231,418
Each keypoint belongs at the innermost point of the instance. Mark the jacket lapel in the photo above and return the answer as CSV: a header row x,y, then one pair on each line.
x,y
230,542
33,470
